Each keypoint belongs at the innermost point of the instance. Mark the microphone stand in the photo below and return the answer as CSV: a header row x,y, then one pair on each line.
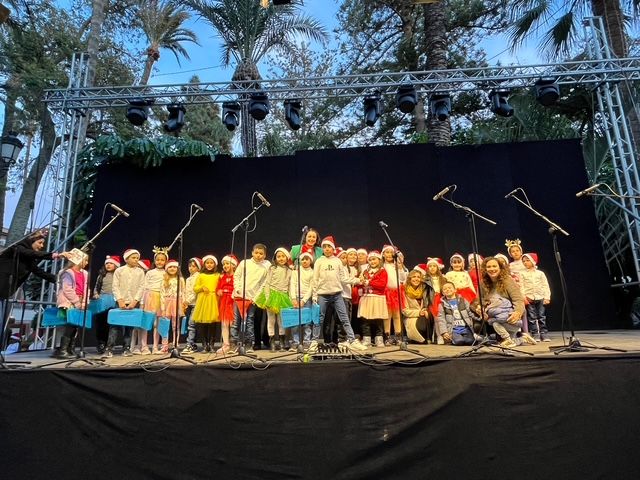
x,y
175,351
87,248
402,345
244,223
471,215
574,344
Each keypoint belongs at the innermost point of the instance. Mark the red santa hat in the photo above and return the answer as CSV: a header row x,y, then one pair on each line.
x,y
114,259
456,255
231,258
329,241
339,251
374,253
307,255
144,264
209,257
387,247
171,263
435,260
531,256
282,250
479,257
362,250
197,261
421,267
128,252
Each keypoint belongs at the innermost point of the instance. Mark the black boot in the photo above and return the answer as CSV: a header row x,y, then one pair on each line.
x,y
282,344
71,349
64,347
272,343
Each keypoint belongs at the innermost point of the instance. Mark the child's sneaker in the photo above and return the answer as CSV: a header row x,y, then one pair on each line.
x,y
527,339
136,351
544,337
440,340
145,351
356,345
313,347
189,349
127,353
157,351
508,343
379,342
108,353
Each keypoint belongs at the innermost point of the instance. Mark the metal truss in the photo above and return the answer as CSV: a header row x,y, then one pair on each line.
x,y
601,72
619,220
584,72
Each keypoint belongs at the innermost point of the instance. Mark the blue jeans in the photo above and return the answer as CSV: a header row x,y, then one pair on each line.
x,y
191,326
337,301
536,317
236,326
310,330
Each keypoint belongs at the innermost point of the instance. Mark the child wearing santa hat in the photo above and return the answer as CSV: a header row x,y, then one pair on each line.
x,y
195,265
394,282
128,282
206,313
275,296
172,299
104,288
460,278
151,302
328,276
434,280
225,297
538,295
372,308
301,297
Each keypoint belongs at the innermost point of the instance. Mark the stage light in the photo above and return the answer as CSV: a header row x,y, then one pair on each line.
x,y
440,105
292,113
137,111
547,91
231,115
406,98
259,105
176,117
371,109
499,104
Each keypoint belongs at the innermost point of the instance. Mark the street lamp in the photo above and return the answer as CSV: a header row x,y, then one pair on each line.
x,y
11,146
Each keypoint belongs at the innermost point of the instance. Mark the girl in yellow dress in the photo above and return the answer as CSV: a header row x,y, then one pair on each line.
x,y
205,314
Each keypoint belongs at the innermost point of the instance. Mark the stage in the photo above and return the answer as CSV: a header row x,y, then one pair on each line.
x,y
391,414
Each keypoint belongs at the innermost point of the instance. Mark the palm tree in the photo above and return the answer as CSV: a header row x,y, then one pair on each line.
x,y
248,33
162,23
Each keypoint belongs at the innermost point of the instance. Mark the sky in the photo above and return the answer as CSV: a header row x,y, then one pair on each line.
x,y
206,63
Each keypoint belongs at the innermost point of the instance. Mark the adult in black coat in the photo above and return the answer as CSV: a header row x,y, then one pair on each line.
x,y
22,259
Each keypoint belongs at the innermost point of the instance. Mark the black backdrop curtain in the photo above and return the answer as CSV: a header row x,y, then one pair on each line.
x,y
346,192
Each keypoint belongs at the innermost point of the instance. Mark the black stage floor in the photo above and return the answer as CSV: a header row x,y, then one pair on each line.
x,y
390,415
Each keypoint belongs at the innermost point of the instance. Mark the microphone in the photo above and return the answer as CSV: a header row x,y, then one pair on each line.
x,y
443,192
118,209
305,229
511,192
197,207
263,200
382,224
588,190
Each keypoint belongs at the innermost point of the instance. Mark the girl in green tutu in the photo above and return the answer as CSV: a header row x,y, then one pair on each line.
x,y
274,296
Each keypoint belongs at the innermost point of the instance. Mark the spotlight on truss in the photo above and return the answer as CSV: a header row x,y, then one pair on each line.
x,y
547,91
440,104
371,109
406,98
259,105
231,115
176,117
499,104
292,113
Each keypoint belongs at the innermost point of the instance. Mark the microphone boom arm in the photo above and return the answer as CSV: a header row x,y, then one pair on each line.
x,y
551,224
